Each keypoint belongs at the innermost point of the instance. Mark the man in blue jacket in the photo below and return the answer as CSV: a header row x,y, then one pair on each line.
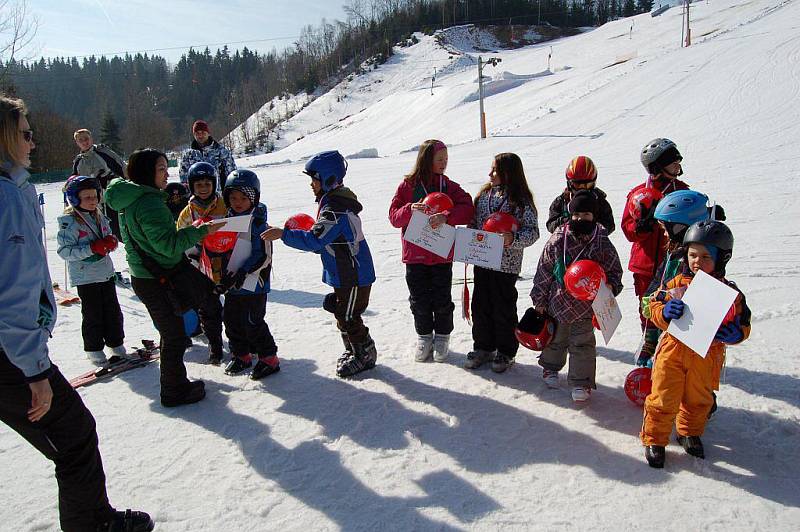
x,y
346,261
35,398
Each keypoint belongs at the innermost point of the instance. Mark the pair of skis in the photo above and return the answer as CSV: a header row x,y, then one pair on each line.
x,y
116,365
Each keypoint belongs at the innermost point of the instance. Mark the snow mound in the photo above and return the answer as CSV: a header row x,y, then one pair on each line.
x,y
366,153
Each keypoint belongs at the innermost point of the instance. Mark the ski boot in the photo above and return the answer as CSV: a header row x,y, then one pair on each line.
x,y
502,362
478,358
127,521
238,364
692,445
215,354
656,455
195,392
424,347
363,358
441,347
265,366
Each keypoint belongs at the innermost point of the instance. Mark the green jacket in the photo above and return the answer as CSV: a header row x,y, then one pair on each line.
x,y
145,217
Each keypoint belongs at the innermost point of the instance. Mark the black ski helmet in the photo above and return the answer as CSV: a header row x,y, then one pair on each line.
x,y
713,233
201,170
246,182
177,188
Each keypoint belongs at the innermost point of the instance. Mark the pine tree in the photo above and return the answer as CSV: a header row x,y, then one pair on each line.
x,y
109,133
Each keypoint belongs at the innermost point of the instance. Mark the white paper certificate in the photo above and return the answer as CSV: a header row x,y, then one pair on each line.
x,y
438,241
707,301
480,248
606,311
235,224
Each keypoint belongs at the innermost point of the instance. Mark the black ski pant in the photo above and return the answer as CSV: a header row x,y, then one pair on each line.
x,y
351,302
102,318
245,327
210,314
430,294
174,382
113,221
494,311
66,435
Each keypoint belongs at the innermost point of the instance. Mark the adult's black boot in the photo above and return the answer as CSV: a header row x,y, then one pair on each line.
x,y
656,455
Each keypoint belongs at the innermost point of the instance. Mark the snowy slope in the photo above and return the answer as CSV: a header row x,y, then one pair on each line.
x,y
421,446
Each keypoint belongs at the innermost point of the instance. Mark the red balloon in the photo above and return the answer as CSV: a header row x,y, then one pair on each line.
x,y
220,242
582,279
501,222
638,385
300,221
643,202
437,202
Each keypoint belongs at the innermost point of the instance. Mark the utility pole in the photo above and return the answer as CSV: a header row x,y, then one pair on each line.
x,y
539,17
491,61
433,78
688,41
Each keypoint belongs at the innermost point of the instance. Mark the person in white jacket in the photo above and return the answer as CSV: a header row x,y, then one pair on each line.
x,y
36,400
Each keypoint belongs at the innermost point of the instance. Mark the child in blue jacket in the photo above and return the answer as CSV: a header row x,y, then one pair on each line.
x,y
246,285
346,261
84,241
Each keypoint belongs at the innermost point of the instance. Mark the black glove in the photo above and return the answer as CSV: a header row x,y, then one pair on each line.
x,y
232,280
645,225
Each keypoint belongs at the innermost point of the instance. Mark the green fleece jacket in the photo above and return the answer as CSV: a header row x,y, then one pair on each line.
x,y
145,217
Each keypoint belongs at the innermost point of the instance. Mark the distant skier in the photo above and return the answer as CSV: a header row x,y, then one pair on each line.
x,y
429,277
494,297
36,401
346,260
683,381
205,148
101,162
85,241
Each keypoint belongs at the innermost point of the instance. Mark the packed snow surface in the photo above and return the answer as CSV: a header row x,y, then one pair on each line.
x,y
411,446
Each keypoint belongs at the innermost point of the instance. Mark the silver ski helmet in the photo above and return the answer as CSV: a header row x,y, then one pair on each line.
x,y
658,153
327,167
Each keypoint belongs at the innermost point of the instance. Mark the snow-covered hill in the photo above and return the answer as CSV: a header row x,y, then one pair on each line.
x,y
432,446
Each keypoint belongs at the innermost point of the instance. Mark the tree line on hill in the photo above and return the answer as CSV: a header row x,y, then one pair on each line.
x,y
140,99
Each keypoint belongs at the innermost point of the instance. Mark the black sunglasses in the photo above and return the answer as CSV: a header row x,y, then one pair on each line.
x,y
27,135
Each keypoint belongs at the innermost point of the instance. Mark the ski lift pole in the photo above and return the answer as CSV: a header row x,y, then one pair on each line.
x,y
44,225
480,97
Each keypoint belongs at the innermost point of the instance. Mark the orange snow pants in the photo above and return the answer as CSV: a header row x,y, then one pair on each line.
x,y
681,393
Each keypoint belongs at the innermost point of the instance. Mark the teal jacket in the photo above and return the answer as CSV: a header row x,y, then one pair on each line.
x,y
145,217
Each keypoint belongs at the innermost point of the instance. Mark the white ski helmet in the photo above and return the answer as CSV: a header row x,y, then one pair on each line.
x,y
655,149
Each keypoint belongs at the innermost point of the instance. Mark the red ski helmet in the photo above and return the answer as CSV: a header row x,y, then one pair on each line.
x,y
581,169
582,279
437,202
642,203
501,222
300,221
638,385
535,330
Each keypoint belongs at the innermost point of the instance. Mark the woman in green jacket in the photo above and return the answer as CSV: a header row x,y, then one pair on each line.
x,y
147,226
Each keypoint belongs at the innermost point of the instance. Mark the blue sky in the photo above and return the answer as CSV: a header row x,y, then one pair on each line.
x,y
85,27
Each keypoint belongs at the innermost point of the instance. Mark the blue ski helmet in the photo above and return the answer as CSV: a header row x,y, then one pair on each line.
x,y
680,209
246,182
327,167
201,170
76,184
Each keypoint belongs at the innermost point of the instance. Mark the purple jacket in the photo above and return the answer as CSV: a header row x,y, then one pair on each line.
x,y
548,285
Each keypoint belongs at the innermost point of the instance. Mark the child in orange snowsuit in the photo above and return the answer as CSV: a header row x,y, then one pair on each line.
x,y
683,381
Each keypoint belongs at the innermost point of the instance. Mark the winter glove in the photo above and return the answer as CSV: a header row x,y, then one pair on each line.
x,y
99,247
645,225
111,243
673,309
233,280
731,333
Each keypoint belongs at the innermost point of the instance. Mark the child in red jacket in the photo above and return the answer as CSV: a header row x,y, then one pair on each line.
x,y
662,160
429,276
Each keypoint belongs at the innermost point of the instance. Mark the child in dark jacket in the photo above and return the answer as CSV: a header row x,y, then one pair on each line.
x,y
581,238
246,283
429,276
84,241
581,175
346,260
683,381
494,298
